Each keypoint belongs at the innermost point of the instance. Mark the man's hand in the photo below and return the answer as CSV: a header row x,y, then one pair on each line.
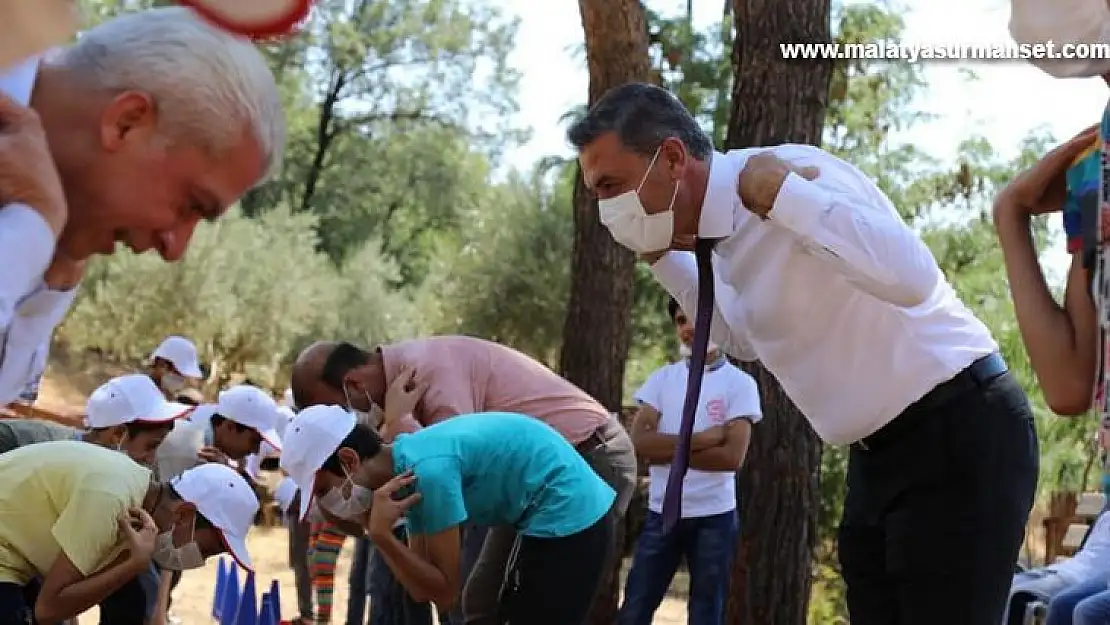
x,y
141,533
762,178
64,273
211,454
403,395
1042,188
385,511
27,172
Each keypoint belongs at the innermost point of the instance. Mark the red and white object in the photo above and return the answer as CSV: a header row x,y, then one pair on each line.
x,y
257,19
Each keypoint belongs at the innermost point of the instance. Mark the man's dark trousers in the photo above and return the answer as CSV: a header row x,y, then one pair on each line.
x,y
937,504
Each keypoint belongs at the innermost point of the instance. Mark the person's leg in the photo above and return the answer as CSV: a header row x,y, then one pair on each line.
x,y
356,581
480,602
298,561
1062,606
1094,610
970,494
574,565
14,607
709,555
861,549
390,603
653,567
325,553
134,602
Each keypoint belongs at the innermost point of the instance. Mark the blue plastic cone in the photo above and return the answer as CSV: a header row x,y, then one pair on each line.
x,y
266,611
247,614
217,597
230,599
275,600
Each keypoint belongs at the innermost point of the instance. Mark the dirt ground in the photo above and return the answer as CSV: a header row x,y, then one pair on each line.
x,y
193,600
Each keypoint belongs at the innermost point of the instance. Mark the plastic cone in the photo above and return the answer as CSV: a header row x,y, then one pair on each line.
x,y
247,614
217,597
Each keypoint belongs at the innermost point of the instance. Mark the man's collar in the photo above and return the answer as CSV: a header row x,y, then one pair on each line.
x,y
722,203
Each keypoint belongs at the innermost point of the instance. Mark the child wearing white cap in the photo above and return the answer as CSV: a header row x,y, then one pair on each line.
x,y
229,430
86,520
173,363
126,413
495,469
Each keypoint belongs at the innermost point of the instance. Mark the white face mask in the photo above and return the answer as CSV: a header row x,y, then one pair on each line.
x,y
347,507
182,558
373,419
685,352
631,225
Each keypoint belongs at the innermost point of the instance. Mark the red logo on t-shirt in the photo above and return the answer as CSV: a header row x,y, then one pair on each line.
x,y
716,410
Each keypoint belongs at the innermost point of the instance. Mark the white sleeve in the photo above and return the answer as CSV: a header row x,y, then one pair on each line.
x,y
26,247
678,273
652,390
866,243
743,397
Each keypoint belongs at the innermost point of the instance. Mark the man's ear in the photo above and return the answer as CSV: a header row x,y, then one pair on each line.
x,y
349,459
675,155
183,512
116,433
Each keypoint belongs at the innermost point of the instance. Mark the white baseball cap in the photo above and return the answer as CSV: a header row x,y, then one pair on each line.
x,y
130,399
285,416
223,497
180,352
311,438
246,405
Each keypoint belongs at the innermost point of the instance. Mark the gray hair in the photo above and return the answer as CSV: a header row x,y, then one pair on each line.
x,y
208,85
642,116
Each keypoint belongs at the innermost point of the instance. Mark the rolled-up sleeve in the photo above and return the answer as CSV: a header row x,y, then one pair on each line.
x,y
26,247
867,244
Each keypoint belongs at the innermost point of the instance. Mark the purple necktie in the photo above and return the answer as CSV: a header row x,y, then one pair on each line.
x,y
672,500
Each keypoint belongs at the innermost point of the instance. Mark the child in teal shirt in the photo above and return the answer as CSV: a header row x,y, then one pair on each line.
x,y
491,469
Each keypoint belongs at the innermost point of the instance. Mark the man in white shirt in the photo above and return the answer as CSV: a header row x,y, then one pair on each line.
x,y
706,535
817,277
112,140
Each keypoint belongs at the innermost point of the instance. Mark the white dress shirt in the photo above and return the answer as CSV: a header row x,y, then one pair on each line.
x,y
837,297
1063,22
29,310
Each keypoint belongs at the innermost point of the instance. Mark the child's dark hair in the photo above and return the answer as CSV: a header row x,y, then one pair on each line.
x,y
136,428
363,440
217,419
673,308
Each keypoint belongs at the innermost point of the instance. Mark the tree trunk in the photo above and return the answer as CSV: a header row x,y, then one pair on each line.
x,y
597,331
776,101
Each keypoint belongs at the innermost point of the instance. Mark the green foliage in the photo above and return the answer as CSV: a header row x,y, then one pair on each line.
x,y
247,293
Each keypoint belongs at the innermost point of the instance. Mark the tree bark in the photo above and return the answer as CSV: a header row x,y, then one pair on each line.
x,y
597,331
776,101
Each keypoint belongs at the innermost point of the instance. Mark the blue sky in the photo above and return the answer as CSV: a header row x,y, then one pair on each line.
x,y
1006,102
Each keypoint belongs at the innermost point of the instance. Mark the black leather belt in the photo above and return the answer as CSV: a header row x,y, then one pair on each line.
x,y
975,376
